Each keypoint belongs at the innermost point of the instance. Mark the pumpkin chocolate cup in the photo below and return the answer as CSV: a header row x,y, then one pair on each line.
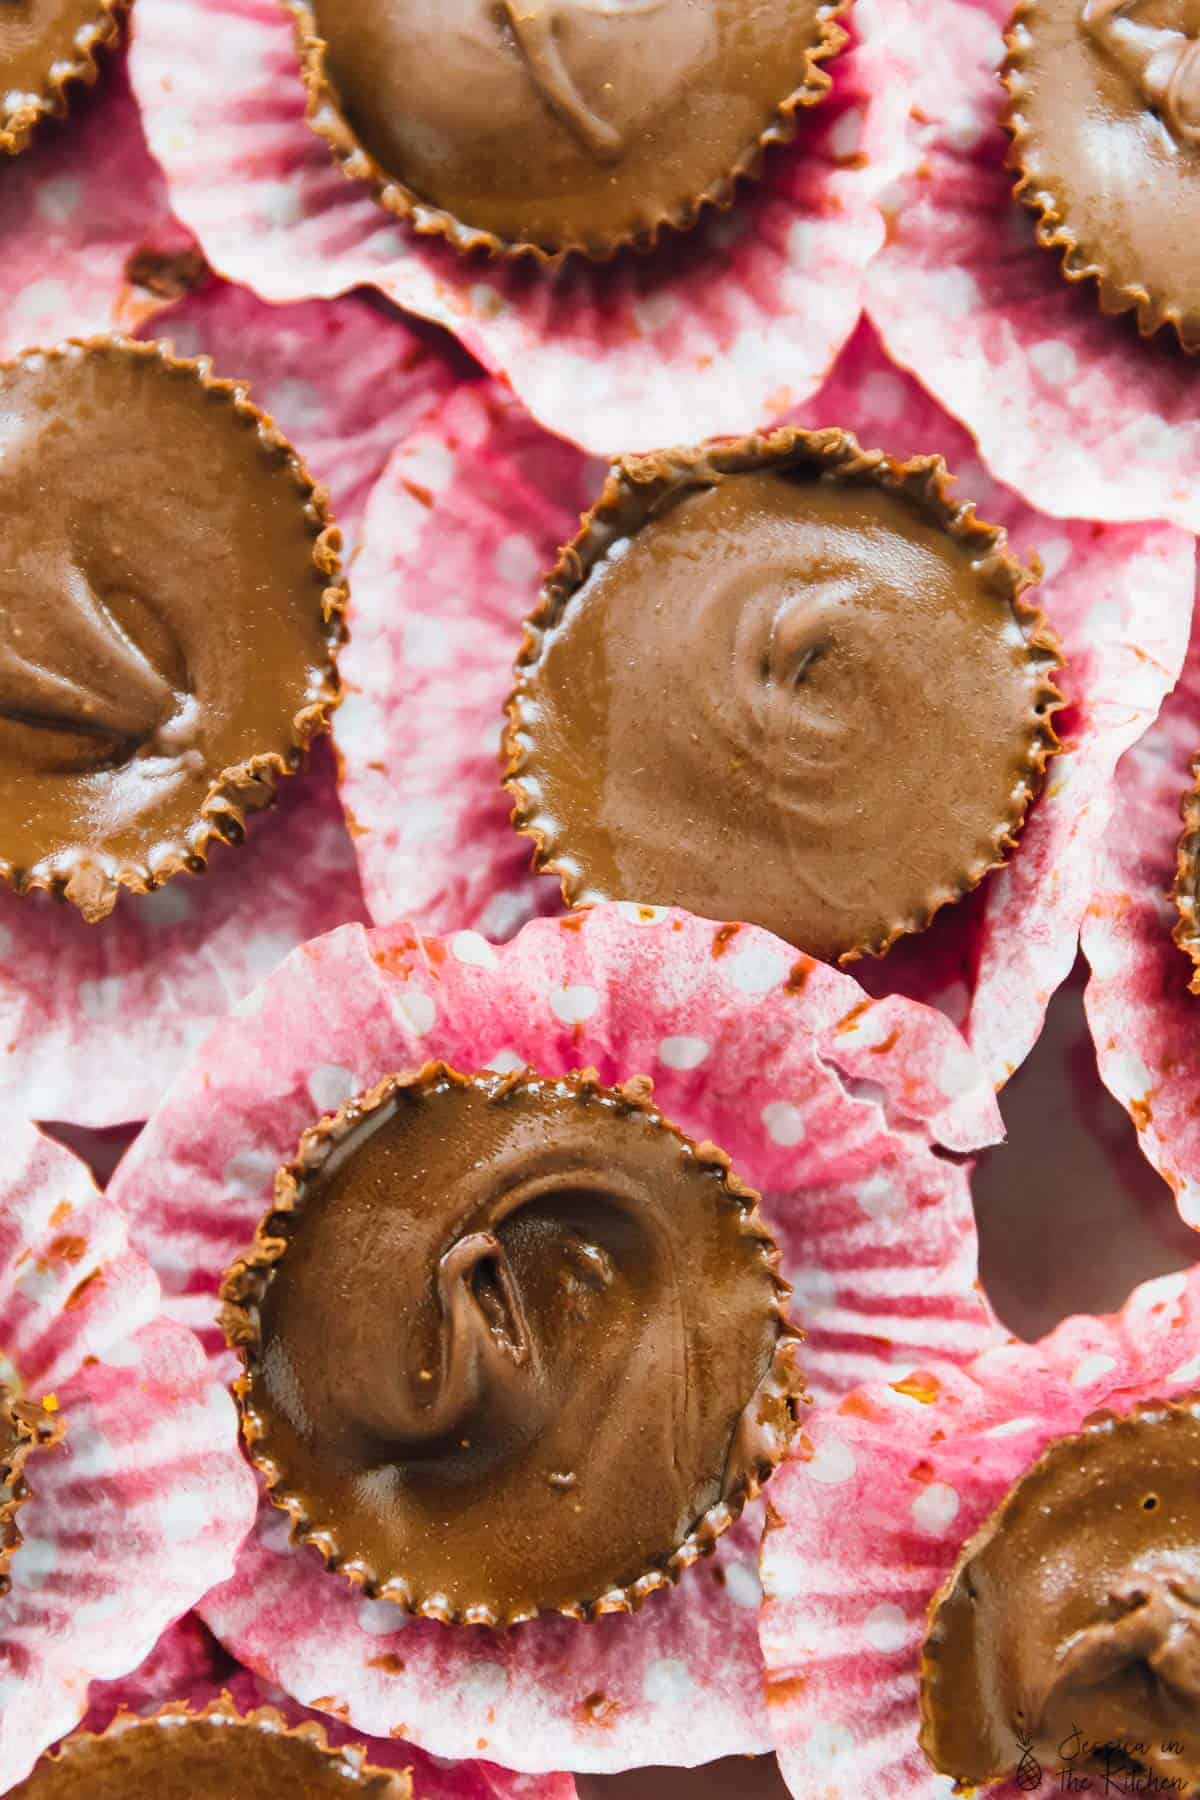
x,y
47,47
181,1754
170,615
1072,1618
25,1427
512,1346
1104,117
537,128
1185,891
781,680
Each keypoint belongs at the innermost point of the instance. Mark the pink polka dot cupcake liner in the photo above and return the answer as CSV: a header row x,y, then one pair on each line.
x,y
188,1665
143,1503
1071,409
89,243
837,1108
98,1019
736,322
473,505
1142,1015
868,1522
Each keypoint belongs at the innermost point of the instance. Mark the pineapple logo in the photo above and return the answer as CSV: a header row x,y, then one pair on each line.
x,y
1029,1769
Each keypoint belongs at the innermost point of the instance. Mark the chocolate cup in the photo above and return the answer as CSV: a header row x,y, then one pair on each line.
x,y
24,1428
639,487
1185,890
1081,254
953,1678
768,1420
94,38
327,118
88,875
65,1771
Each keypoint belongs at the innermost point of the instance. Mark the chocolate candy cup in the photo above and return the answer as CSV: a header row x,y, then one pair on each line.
x,y
46,48
24,1428
1073,1614
541,127
1104,115
179,1754
170,614
511,1345
858,698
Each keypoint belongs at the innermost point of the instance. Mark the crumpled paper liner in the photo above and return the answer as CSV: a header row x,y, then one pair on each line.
x,y
188,1664
475,505
142,1507
89,244
730,325
97,1021
832,1106
1071,409
866,1524
1145,1022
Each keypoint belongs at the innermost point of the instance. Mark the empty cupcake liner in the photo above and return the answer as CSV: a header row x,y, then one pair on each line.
x,y
734,323
1071,409
1145,1022
89,244
99,1018
144,1503
868,1521
833,1106
187,1664
473,506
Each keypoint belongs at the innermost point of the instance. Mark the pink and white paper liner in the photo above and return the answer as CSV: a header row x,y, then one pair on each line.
x,y
867,1523
476,503
711,333
74,210
188,1664
97,1019
835,1106
1145,1023
1073,410
144,1504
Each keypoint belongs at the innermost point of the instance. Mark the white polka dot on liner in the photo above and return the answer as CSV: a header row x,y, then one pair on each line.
x,y
380,1618
330,1086
832,1463
1187,1371
935,1508
1092,1368
682,1052
785,1123
574,1004
667,1681
418,1010
758,967
468,947
743,1586
886,1628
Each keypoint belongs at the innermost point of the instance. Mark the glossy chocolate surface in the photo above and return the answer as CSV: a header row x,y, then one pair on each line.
x,y
522,1338
567,122
1075,1612
800,702
176,1757
1106,112
161,614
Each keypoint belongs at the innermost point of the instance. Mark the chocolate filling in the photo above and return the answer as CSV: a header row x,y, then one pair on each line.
x,y
168,618
784,682
512,1345
1070,1629
215,1756
44,45
1105,117
560,123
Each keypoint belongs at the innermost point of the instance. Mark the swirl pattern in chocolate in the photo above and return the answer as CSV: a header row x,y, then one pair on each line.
x,y
1105,117
214,1755
168,617
560,124
512,1345
784,683
45,45
1073,1616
